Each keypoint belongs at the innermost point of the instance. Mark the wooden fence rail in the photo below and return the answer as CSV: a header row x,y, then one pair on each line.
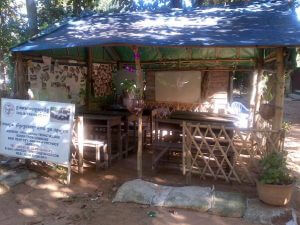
x,y
227,153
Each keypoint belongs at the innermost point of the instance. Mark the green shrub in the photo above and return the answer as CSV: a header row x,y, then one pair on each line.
x,y
274,169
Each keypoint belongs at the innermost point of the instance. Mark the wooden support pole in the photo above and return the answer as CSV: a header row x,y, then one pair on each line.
x,y
256,90
252,98
89,76
69,172
279,90
140,115
189,157
183,148
80,131
20,79
140,146
259,87
230,88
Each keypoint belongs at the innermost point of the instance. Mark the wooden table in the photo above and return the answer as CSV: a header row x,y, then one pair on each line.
x,y
204,118
130,118
99,120
127,118
173,124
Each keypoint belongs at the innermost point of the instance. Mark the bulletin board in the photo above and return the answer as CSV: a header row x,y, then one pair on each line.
x,y
54,82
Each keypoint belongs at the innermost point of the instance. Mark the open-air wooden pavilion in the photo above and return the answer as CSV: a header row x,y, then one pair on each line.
x,y
201,49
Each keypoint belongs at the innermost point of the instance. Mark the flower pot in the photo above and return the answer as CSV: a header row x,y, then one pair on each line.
x,y
277,195
134,105
267,111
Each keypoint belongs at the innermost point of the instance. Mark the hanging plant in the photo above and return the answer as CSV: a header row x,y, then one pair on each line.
x,y
129,88
132,96
267,111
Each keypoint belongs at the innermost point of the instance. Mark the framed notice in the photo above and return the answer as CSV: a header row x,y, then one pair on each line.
x,y
37,130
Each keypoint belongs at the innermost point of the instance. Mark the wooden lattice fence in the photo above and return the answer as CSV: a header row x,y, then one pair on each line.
x,y
227,153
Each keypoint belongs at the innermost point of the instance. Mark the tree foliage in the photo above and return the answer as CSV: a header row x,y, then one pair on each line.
x,y
12,24
12,30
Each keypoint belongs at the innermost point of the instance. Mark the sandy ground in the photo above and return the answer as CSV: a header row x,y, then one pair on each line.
x,y
87,201
292,146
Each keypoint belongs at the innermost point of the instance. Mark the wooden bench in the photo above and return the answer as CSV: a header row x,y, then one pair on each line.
x,y
97,146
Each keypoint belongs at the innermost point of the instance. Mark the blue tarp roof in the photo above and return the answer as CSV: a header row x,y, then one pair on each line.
x,y
259,23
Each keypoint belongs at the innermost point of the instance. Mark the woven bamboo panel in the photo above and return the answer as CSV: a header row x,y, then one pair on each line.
x,y
231,154
102,77
172,106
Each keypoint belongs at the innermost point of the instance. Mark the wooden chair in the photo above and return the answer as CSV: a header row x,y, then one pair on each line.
x,y
97,145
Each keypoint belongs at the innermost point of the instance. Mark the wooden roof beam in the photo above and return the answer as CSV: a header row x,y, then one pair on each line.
x,y
195,61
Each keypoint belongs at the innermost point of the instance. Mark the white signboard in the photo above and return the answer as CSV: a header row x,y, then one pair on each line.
x,y
36,130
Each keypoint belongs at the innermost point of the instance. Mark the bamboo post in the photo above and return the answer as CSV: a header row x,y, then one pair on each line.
x,y
89,76
80,130
21,90
253,95
230,88
279,90
109,142
259,87
189,156
140,115
183,149
69,171
21,85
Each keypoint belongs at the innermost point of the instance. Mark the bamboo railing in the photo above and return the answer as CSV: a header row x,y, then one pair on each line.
x,y
227,153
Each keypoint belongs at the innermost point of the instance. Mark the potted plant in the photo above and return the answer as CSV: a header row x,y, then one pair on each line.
x,y
275,184
132,97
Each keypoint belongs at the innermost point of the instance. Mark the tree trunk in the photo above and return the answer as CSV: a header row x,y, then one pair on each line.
x,y
32,17
197,3
76,7
176,4
2,68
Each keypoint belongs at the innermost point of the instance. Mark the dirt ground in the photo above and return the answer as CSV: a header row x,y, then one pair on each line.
x,y
292,146
87,201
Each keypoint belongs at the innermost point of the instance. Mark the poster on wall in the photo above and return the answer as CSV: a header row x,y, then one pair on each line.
x,y
55,82
37,130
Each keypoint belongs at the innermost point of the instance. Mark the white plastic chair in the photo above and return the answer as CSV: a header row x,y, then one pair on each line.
x,y
242,113
238,107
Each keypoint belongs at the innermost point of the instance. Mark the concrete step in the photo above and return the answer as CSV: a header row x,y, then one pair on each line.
x,y
294,96
260,213
297,92
10,178
5,173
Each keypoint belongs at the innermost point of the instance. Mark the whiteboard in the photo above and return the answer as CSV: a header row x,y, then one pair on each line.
x,y
178,86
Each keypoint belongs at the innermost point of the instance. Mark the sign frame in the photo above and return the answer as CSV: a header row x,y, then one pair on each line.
x,y
56,115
